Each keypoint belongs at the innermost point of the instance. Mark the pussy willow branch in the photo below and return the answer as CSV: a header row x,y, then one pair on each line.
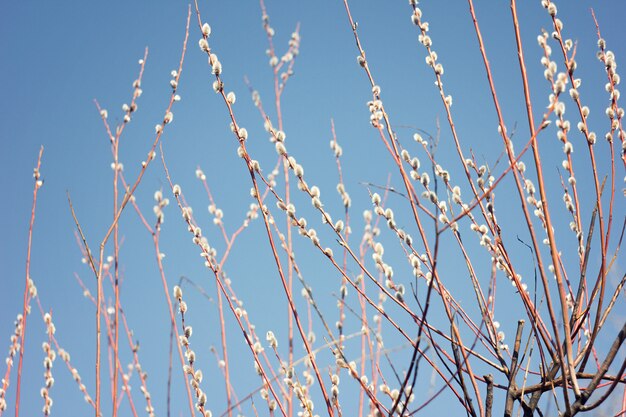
x,y
408,187
601,281
541,333
568,367
222,287
25,308
127,197
284,282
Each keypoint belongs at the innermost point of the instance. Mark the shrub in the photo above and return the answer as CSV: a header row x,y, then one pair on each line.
x,y
457,267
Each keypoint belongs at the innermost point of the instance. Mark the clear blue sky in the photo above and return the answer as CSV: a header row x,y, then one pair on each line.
x,y
57,57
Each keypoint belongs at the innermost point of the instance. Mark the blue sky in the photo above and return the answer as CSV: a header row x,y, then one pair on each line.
x,y
56,58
